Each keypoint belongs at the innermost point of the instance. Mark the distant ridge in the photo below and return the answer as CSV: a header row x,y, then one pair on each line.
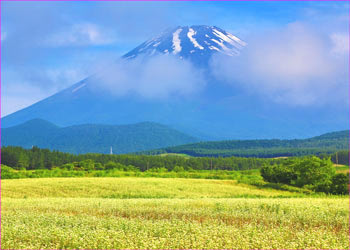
x,y
326,143
93,138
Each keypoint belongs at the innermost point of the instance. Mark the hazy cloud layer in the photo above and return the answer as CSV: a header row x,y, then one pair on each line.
x,y
20,90
158,77
19,95
294,66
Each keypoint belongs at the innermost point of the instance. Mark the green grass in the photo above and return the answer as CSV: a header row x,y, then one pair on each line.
x,y
175,154
342,169
106,213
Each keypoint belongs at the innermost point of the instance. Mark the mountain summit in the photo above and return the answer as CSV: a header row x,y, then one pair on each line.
x,y
195,42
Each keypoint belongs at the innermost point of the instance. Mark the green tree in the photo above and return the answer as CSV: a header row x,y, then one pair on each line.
x,y
98,166
87,165
110,165
23,161
178,169
340,184
68,166
314,171
278,173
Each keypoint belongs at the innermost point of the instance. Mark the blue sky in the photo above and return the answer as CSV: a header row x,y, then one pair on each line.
x,y
48,46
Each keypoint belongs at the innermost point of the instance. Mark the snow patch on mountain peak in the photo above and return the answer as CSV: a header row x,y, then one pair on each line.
x,y
79,87
176,41
190,35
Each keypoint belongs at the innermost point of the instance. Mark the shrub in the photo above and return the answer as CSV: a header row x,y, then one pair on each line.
x,y
110,165
158,170
278,174
98,166
87,165
8,173
312,173
178,169
340,184
68,166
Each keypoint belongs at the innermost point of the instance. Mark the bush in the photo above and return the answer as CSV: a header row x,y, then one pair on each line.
x,y
312,173
68,166
98,166
340,184
158,170
110,165
178,169
116,165
8,173
278,174
87,165
131,168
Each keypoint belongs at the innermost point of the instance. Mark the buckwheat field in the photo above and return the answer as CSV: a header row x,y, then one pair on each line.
x,y
153,213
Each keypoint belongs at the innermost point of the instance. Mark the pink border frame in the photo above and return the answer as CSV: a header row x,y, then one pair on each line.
x,y
172,1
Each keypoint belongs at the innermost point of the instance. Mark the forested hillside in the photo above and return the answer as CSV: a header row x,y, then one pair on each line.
x,y
324,144
94,138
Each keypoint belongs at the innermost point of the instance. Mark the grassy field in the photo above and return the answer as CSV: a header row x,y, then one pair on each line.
x,y
154,213
341,168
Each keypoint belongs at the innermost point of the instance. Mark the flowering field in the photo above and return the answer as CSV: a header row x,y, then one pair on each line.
x,y
166,213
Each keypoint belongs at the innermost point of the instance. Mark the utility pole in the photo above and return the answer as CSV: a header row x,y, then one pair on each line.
x,y
111,151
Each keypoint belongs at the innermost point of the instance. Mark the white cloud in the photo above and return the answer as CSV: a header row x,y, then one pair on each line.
x,y
81,35
24,88
159,77
340,43
295,66
16,96
3,36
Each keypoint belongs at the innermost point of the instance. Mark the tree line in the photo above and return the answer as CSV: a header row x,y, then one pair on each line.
x,y
36,158
257,152
319,145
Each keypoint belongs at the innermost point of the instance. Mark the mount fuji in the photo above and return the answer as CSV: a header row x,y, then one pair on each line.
x,y
209,111
196,43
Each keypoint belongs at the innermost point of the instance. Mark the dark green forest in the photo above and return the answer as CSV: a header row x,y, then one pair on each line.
x,y
96,138
319,145
36,158
151,139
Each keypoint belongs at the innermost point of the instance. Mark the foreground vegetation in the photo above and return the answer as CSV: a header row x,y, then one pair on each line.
x,y
205,202
308,173
132,187
312,173
95,213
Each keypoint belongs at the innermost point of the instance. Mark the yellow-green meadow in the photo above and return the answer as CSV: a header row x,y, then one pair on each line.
x,y
109,213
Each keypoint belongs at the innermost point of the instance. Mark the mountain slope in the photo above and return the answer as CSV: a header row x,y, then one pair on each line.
x,y
326,143
93,138
214,111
